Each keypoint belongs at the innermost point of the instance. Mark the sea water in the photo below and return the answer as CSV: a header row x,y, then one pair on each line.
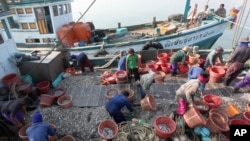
x,y
108,13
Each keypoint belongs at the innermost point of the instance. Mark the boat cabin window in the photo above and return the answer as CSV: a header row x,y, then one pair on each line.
x,y
32,40
28,10
1,39
60,7
69,7
65,9
25,26
1,25
55,10
20,11
32,25
12,11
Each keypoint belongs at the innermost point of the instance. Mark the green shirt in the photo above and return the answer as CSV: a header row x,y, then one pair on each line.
x,y
132,61
178,56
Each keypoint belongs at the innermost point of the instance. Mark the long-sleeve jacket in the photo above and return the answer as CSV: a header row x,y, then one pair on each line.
x,y
39,132
241,55
194,72
179,56
146,80
189,89
122,63
212,57
117,103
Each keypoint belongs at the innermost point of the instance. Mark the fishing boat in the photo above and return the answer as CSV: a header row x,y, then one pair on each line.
x,y
46,23
8,49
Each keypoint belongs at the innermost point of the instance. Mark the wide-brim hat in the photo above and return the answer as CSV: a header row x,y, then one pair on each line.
x,y
245,40
185,48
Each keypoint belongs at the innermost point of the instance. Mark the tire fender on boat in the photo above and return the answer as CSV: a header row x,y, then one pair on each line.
x,y
152,44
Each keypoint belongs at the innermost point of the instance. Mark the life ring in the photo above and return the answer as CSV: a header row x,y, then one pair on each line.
x,y
151,44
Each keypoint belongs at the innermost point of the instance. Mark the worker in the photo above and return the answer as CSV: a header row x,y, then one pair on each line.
x,y
145,83
214,57
39,131
14,110
242,83
122,61
192,15
194,71
82,60
221,11
115,105
132,64
237,61
179,56
185,94
203,14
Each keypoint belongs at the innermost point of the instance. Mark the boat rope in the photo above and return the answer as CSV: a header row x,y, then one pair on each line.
x,y
237,34
108,63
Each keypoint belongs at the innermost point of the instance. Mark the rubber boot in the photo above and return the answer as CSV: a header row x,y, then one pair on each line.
x,y
182,107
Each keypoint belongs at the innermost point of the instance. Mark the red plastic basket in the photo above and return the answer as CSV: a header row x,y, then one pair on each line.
x,y
110,124
165,121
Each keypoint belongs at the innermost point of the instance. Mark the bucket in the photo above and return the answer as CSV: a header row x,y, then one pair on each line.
x,y
43,87
148,103
108,129
162,57
67,138
231,110
24,88
58,92
216,74
121,82
246,116
121,75
110,93
216,123
221,113
111,79
159,76
164,127
201,106
248,107
9,79
165,67
235,122
106,74
71,70
193,58
182,68
194,118
131,94
153,67
22,132
143,69
213,101
46,100
65,101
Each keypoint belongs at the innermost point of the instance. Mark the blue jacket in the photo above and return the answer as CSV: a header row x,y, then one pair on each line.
x,y
117,103
194,72
39,132
122,63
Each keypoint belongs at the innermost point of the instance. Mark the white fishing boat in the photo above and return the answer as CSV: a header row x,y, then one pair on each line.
x,y
48,24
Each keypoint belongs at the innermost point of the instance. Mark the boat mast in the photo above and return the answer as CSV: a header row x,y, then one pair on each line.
x,y
187,7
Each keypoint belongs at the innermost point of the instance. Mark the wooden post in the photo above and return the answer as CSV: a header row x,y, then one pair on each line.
x,y
154,22
119,25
